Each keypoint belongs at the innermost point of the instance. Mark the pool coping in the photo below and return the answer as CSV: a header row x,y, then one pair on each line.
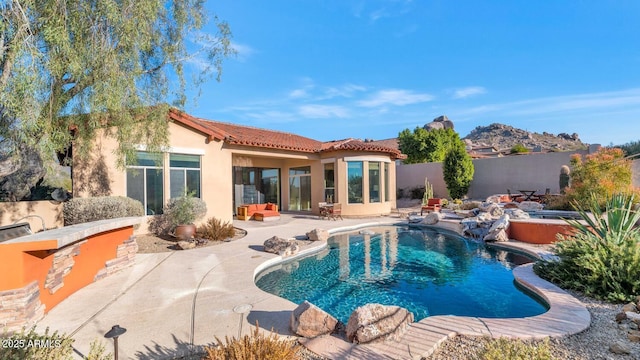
x,y
566,316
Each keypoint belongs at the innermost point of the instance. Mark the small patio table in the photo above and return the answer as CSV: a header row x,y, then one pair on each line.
x,y
325,210
528,194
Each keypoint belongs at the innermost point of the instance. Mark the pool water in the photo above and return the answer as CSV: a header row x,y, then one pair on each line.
x,y
424,271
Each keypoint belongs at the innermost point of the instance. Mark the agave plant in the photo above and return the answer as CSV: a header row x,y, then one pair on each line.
x,y
616,222
602,257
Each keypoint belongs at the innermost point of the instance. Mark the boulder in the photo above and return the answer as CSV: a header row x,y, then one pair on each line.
x,y
185,245
530,206
318,235
501,224
633,316
620,317
377,323
492,209
282,247
517,214
308,320
441,122
432,218
496,235
634,336
630,307
619,347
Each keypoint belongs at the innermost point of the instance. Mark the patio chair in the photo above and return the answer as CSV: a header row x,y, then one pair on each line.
x,y
434,204
336,212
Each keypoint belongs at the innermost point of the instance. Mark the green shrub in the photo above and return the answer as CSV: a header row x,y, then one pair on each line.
x,y
602,259
255,346
28,345
519,149
458,171
557,202
185,210
82,210
215,229
508,349
55,346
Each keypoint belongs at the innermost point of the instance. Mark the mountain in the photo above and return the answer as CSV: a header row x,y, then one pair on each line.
x,y
504,137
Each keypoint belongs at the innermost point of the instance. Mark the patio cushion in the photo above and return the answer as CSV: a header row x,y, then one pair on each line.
x,y
271,207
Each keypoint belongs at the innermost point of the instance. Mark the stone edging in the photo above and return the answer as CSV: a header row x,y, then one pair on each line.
x,y
566,316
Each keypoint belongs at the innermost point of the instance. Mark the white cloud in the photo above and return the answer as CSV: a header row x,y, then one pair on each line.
x,y
346,91
396,97
298,93
243,51
469,91
316,111
614,100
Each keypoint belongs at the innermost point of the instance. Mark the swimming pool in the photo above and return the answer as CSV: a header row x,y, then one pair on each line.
x,y
427,272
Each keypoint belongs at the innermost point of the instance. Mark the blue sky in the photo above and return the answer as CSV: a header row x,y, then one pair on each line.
x,y
332,69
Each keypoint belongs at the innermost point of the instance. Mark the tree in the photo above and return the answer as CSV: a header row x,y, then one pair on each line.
x,y
423,145
458,171
631,148
90,64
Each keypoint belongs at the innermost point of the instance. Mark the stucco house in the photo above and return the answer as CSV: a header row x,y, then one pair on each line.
x,y
228,165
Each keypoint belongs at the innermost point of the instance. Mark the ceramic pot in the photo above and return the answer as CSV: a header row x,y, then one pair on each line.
x,y
185,232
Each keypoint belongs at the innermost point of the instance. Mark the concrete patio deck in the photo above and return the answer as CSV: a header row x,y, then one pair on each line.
x,y
173,303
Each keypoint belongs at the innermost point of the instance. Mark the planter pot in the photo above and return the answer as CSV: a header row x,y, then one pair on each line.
x,y
185,232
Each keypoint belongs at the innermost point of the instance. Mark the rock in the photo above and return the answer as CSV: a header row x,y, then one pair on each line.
x,y
620,348
511,205
376,323
633,316
493,199
318,235
634,336
621,317
638,302
496,235
282,247
432,218
630,307
18,183
310,321
517,214
486,217
492,209
530,206
501,224
185,245
441,122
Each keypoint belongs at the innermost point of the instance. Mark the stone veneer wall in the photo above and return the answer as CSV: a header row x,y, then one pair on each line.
x,y
21,307
62,264
125,257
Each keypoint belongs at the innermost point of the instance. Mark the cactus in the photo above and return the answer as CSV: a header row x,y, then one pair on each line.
x,y
564,178
428,191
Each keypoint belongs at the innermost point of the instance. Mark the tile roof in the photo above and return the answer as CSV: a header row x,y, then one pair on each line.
x,y
256,137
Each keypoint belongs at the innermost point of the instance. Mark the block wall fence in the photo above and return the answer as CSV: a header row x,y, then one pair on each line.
x,y
536,171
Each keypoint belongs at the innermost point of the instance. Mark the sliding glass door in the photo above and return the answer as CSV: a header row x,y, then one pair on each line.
x,y
300,188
